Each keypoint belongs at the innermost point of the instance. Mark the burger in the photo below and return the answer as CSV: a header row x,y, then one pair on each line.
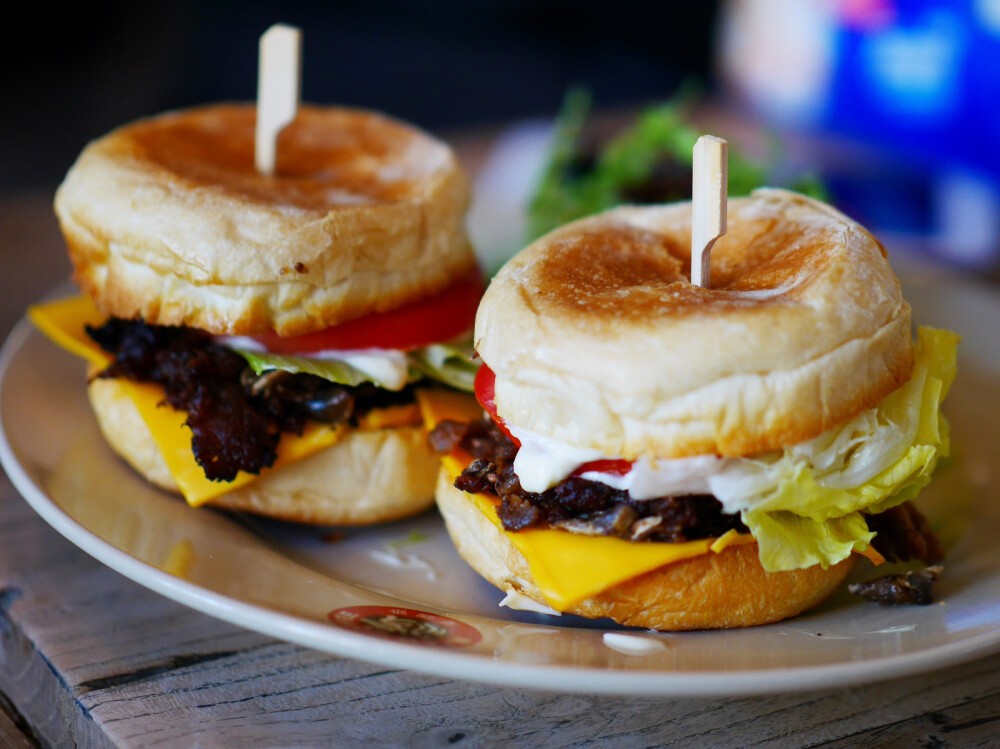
x,y
260,342
676,457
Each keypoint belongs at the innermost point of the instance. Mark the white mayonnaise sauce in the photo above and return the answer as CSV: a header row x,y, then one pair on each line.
x,y
632,644
404,560
521,602
543,462
664,477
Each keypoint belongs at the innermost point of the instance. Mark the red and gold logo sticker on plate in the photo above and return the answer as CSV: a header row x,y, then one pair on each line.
x,y
420,627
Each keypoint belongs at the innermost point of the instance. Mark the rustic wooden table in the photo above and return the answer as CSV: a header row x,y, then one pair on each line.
x,y
90,659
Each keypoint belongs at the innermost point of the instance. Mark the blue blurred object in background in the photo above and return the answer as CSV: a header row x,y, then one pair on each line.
x,y
916,80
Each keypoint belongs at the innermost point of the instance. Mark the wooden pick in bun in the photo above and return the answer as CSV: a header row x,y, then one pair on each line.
x,y
330,282
679,457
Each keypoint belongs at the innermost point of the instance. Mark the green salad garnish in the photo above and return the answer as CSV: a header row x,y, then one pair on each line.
x,y
648,162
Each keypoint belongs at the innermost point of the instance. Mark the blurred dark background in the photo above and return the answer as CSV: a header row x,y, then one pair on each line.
x,y
443,64
911,87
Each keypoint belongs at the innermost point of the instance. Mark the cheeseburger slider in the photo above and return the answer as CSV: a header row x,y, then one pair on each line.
x,y
678,457
258,342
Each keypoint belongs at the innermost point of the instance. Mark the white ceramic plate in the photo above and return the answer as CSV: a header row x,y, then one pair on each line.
x,y
285,580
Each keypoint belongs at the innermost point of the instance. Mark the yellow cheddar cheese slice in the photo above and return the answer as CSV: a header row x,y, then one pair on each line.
x,y
63,321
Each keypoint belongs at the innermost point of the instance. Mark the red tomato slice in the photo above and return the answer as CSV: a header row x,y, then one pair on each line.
x,y
486,395
617,467
485,385
440,317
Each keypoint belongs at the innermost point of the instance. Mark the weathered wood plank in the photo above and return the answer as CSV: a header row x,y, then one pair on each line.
x,y
972,723
342,701
15,733
37,694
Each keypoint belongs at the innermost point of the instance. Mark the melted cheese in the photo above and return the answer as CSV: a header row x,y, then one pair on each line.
x,y
567,568
173,437
447,405
390,416
63,321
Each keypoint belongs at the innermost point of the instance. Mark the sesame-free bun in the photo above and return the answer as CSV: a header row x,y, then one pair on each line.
x,y
367,477
167,219
711,591
599,340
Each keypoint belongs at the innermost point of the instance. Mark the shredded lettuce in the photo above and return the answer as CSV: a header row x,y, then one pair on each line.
x,y
806,507
575,184
450,364
329,369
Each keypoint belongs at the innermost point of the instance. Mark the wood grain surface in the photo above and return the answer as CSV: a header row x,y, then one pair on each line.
x,y
90,659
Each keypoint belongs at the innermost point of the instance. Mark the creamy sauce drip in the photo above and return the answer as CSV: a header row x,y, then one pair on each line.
x,y
633,644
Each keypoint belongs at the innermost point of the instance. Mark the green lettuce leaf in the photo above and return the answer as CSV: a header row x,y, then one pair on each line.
x,y
787,541
450,364
810,518
328,369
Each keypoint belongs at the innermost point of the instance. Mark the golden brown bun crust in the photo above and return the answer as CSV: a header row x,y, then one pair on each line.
x,y
166,219
368,477
711,591
599,340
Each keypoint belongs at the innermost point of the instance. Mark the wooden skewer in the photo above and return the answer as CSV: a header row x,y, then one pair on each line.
x,y
710,183
279,77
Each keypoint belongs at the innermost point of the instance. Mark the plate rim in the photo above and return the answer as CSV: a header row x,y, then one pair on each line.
x,y
451,663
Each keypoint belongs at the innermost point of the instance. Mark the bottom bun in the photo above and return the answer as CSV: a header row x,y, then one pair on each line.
x,y
367,477
711,591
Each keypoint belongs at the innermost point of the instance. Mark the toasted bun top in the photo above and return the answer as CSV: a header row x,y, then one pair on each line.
x,y
167,219
598,339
